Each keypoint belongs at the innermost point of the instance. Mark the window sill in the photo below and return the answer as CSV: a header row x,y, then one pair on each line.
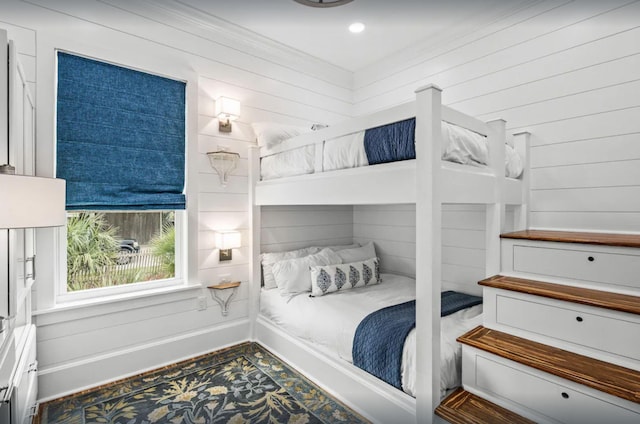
x,y
79,309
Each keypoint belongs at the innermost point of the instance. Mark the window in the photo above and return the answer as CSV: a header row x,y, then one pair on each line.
x,y
106,249
120,144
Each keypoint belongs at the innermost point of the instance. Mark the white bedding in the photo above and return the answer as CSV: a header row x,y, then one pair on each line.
x,y
330,322
459,146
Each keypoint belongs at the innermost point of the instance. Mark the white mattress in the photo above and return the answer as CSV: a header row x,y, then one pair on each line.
x,y
330,322
459,146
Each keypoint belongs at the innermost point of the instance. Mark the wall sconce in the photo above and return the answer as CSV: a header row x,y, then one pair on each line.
x,y
227,110
223,163
225,241
29,202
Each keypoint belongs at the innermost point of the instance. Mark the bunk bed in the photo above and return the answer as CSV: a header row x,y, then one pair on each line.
x,y
426,181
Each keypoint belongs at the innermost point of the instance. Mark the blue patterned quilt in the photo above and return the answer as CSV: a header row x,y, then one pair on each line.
x,y
379,338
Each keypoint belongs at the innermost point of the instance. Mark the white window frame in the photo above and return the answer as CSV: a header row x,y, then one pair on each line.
x,y
51,242
64,297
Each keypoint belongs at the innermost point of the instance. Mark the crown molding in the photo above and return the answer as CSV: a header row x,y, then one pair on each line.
x,y
216,30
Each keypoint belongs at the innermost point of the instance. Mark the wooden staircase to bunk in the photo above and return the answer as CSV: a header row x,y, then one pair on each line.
x,y
560,341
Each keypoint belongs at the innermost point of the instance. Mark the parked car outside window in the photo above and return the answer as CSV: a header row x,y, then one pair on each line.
x,y
128,248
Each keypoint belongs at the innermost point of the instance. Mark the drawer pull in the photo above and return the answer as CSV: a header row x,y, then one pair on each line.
x,y
579,319
31,276
591,259
565,395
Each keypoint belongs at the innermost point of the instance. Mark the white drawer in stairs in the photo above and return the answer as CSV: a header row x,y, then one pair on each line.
x,y
539,396
605,334
608,267
559,343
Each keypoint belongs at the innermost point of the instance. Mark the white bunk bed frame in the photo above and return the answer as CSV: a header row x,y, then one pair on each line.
x,y
435,183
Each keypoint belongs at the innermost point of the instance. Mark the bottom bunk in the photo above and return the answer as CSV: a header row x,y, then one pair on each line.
x,y
315,320
320,342
331,322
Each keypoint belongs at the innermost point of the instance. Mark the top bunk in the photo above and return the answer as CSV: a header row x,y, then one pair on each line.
x,y
303,169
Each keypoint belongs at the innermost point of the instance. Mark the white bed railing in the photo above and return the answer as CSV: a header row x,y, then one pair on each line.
x,y
388,116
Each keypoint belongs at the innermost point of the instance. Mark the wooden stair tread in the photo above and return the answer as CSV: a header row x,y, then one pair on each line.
x,y
598,298
603,376
462,407
605,239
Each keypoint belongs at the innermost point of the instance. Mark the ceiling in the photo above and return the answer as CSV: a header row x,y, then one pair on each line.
x,y
323,32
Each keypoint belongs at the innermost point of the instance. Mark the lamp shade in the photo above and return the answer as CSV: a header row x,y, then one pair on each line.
x,y
228,240
27,202
227,108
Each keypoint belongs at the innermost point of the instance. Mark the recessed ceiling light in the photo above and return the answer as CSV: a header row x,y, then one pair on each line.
x,y
323,3
356,27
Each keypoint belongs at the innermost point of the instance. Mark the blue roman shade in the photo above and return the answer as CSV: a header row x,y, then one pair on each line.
x,y
120,137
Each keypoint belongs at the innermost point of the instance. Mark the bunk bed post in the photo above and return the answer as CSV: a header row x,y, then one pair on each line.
x,y
495,212
522,145
428,249
254,231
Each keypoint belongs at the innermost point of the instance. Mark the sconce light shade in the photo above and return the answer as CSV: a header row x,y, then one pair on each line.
x,y
225,241
227,110
223,163
29,202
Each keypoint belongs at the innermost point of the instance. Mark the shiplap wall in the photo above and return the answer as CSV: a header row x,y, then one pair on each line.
x,y
293,227
392,229
564,70
83,346
567,72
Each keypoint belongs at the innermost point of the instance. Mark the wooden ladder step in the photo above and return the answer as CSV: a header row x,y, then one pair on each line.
x,y
462,407
603,376
598,298
605,239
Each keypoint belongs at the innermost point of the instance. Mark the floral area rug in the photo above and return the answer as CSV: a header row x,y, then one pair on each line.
x,y
241,384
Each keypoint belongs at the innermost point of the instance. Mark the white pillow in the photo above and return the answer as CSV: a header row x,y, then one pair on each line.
x,y
340,247
513,162
366,251
270,134
341,277
463,146
268,259
293,276
345,152
298,161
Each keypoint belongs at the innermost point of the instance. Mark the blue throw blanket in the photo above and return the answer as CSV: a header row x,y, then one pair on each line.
x,y
379,338
390,143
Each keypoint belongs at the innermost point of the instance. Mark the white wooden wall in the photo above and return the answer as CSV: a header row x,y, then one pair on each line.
x,y
83,346
293,227
392,229
564,70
